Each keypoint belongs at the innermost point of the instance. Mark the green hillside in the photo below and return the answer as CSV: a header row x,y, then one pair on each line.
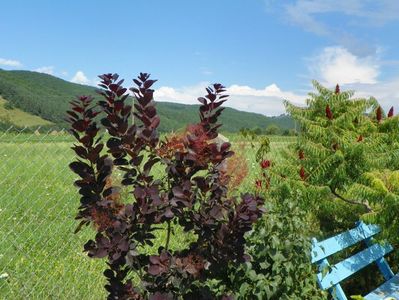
x,y
175,115
19,118
47,97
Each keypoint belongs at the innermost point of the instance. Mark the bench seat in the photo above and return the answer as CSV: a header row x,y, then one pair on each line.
x,y
330,276
388,289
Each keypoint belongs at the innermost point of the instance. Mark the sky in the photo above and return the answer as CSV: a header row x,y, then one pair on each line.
x,y
263,51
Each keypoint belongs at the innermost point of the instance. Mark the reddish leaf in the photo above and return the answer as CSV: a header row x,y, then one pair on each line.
x,y
265,164
329,113
390,113
302,173
379,114
301,155
148,83
337,90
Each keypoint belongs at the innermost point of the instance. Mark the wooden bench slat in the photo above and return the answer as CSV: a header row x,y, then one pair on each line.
x,y
351,265
323,249
388,289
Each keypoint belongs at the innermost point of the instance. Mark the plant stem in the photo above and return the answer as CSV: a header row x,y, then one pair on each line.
x,y
364,204
168,236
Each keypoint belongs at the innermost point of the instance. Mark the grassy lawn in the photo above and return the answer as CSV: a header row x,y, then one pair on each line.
x,y
38,250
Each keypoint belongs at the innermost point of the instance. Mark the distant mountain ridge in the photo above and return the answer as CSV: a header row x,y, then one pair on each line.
x,y
47,97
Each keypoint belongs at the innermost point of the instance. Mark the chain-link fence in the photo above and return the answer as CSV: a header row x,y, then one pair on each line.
x,y
40,257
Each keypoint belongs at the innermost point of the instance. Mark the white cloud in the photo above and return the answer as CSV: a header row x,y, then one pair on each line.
x,y
80,78
386,93
310,15
267,101
10,62
338,65
271,90
47,70
186,95
361,74
370,13
301,13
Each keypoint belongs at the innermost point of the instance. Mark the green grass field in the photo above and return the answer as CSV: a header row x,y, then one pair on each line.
x,y
40,257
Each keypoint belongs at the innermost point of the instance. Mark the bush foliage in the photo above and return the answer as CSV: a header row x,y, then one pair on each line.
x,y
191,193
279,245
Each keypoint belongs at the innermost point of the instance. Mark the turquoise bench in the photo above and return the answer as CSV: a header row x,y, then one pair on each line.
x,y
330,276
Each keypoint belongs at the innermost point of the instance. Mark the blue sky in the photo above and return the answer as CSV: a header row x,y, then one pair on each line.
x,y
263,51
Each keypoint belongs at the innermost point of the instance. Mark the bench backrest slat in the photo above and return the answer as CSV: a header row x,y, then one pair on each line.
x,y
351,265
324,249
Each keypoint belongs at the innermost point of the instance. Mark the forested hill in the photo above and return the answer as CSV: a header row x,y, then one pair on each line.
x,y
47,96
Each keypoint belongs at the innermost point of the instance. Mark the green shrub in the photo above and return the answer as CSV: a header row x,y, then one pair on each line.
x,y
279,245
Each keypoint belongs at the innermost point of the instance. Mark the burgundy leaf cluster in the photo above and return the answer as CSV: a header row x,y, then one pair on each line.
x,y
265,164
379,114
192,193
390,113
302,173
329,113
337,89
301,154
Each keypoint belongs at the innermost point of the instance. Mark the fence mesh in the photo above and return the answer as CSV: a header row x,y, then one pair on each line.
x,y
40,257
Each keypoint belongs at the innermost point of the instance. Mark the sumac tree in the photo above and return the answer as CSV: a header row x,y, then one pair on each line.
x,y
344,163
191,193
335,147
